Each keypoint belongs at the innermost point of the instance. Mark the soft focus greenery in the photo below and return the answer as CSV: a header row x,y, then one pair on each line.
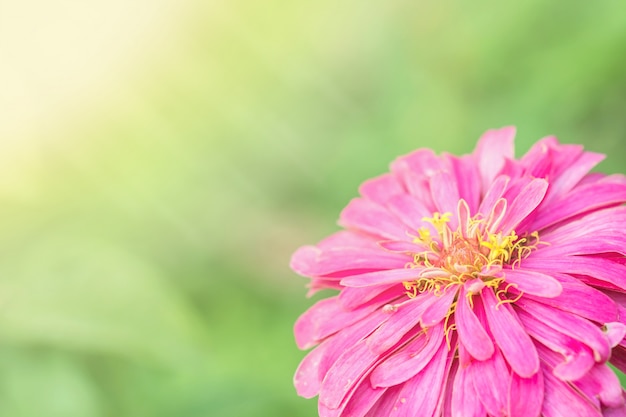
x,y
160,162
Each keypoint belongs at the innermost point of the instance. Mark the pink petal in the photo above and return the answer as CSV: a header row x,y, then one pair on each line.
x,y
419,187
494,193
510,336
317,366
381,188
409,210
472,334
512,169
525,395
347,239
599,268
575,360
524,203
579,200
342,377
516,185
496,215
582,300
420,394
367,216
614,412
353,297
348,372
401,246
304,259
359,404
563,156
592,178
326,317
618,358
390,276
347,338
574,368
492,150
486,377
445,193
535,283
570,325
422,162
464,216
445,399
538,160
306,379
560,400
311,261
318,284
465,172
438,310
414,170
405,318
386,404
465,401
408,361
602,382
573,173
586,226
607,241
615,332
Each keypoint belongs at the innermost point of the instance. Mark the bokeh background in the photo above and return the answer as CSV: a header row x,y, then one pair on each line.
x,y
160,160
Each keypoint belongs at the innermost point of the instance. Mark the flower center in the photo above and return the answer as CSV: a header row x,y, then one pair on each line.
x,y
459,252
472,253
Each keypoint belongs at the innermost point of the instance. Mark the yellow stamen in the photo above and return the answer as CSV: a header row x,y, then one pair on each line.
x,y
501,247
502,293
447,328
424,235
474,251
438,220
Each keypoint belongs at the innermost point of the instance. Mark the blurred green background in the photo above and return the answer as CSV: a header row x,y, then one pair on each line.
x,y
161,160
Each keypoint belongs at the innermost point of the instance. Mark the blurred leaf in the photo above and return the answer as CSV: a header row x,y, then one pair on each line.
x,y
37,383
80,294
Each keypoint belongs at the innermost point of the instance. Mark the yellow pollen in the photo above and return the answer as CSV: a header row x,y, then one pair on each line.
x,y
424,235
438,220
501,247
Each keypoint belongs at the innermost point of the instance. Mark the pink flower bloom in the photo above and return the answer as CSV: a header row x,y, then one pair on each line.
x,y
472,286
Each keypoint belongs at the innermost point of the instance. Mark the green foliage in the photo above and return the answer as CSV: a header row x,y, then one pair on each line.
x,y
144,268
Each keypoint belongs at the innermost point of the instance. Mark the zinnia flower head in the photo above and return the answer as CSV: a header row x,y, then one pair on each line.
x,y
480,285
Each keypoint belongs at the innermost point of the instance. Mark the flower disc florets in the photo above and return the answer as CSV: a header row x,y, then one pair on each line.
x,y
471,253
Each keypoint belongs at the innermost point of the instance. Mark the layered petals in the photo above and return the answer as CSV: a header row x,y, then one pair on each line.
x,y
472,286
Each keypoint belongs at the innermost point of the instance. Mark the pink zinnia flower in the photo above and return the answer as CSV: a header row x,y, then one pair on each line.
x,y
479,285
